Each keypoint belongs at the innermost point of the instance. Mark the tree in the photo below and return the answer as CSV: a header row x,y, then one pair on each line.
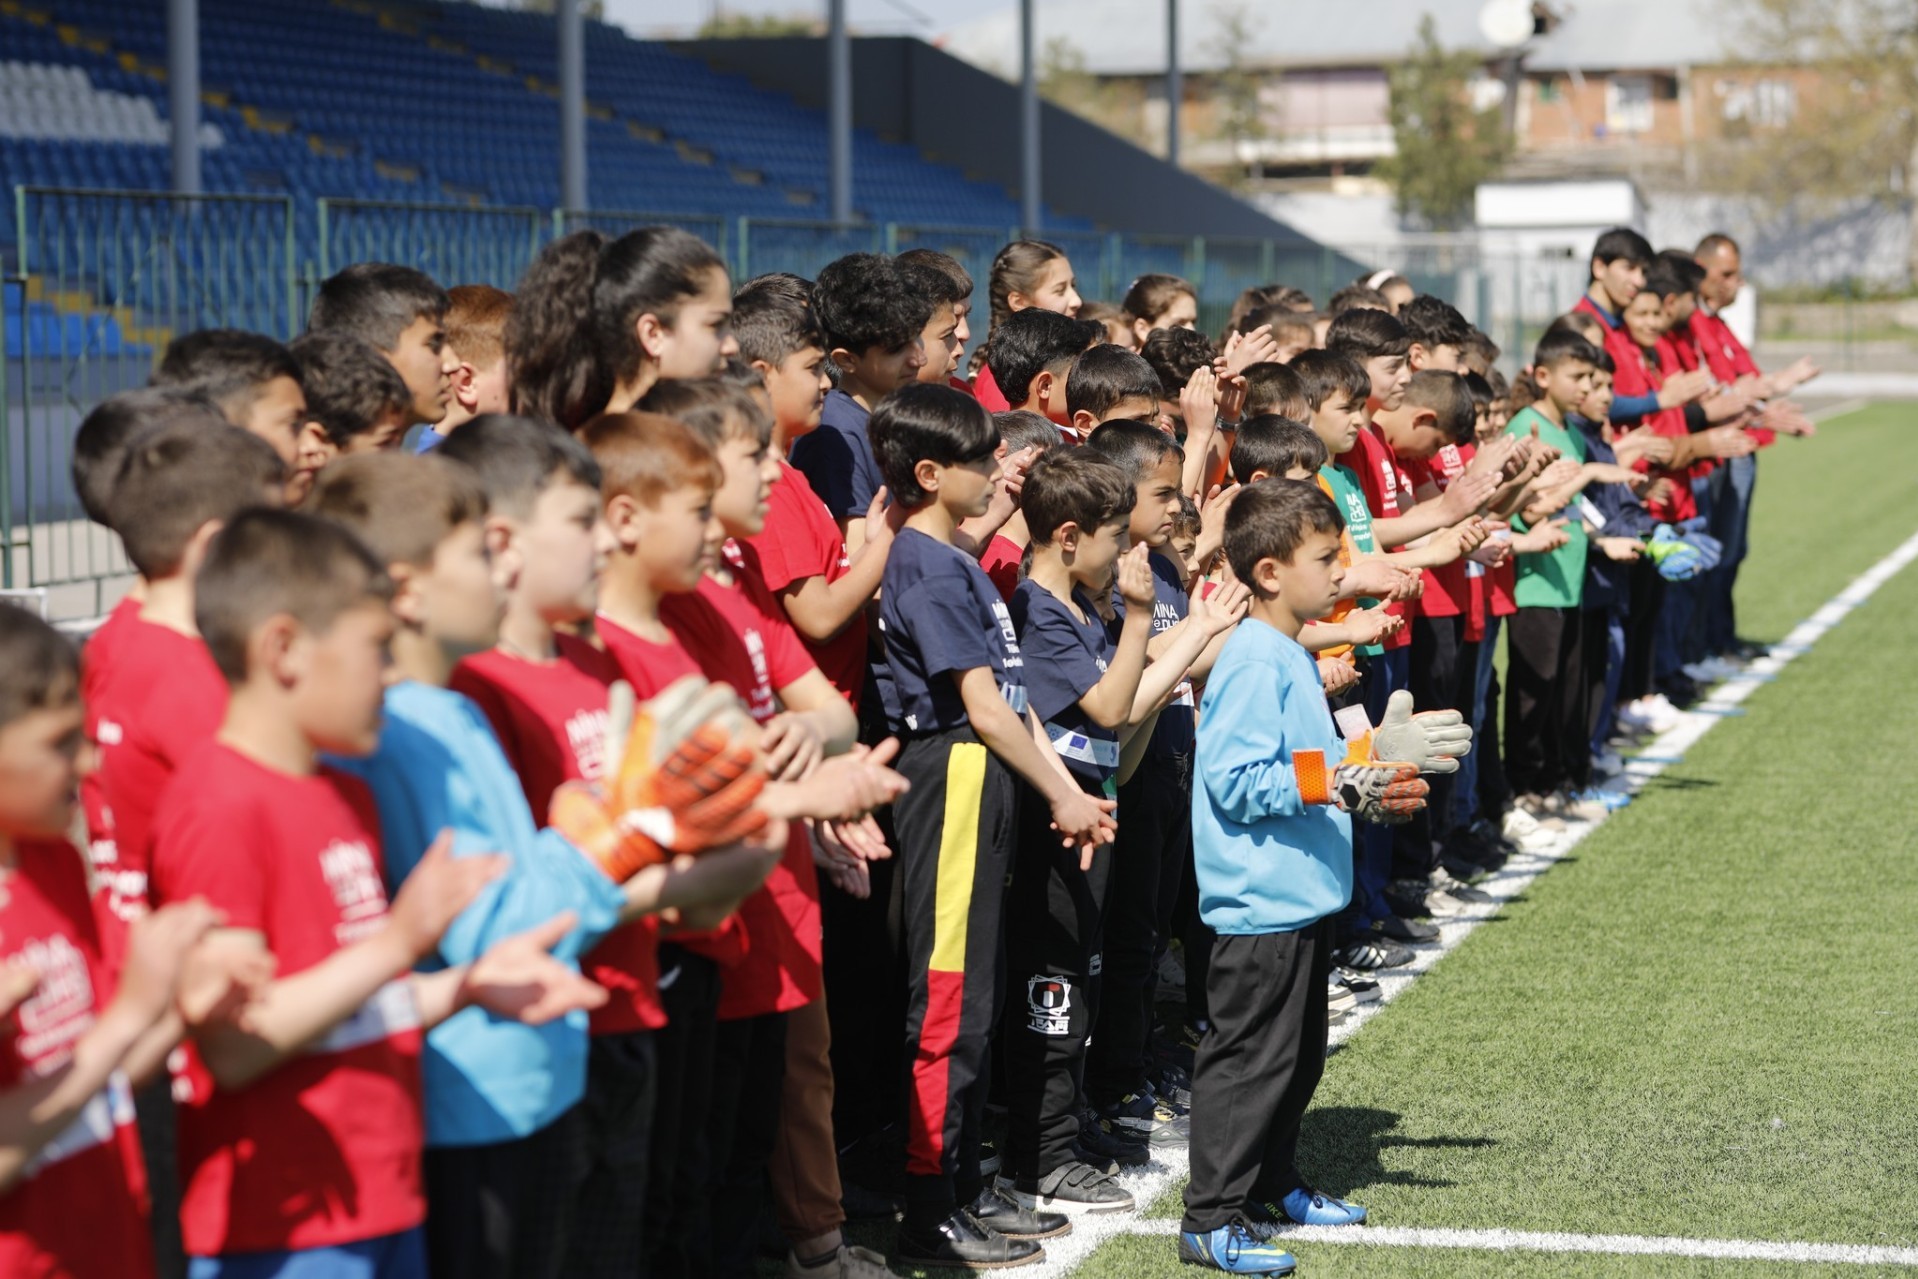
x,y
747,26
1065,82
1852,130
1444,147
1239,111
592,10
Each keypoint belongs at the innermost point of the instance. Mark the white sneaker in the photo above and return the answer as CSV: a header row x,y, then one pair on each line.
x,y
1171,974
1608,764
1703,673
1656,713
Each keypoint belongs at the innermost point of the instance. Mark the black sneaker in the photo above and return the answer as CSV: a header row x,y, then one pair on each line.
x,y
963,1243
1144,1117
1399,928
996,1209
1362,989
1406,899
1101,1146
1370,956
1446,882
1173,1084
1073,1189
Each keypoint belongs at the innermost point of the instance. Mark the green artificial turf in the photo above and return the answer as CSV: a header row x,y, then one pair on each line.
x,y
1704,1022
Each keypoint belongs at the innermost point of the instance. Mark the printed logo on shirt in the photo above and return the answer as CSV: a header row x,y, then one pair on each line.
x,y
1391,481
1049,1005
1164,617
762,708
61,1009
1007,634
108,733
357,892
586,735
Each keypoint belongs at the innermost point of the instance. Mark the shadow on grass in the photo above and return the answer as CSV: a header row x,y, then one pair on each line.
x,y
1344,1148
1666,782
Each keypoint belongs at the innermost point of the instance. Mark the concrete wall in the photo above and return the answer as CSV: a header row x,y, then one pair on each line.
x,y
957,114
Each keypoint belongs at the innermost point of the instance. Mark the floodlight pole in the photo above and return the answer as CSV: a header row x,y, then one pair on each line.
x,y
839,112
1174,83
1031,203
572,105
183,92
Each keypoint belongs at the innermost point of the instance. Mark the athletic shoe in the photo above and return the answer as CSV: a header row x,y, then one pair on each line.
x,y
1749,650
1398,928
1463,869
1144,1117
1172,1085
1340,1002
1458,890
1655,714
1171,975
962,1242
1360,988
848,1263
1543,812
1607,764
1309,1207
1610,800
1073,1189
1370,956
1177,1107
1580,807
996,1208
1102,1146
1237,1250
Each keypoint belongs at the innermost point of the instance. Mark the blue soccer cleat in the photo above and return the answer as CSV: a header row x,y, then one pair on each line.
x,y
1310,1208
1237,1250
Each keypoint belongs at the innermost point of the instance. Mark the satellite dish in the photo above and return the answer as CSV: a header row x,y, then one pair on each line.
x,y
1506,23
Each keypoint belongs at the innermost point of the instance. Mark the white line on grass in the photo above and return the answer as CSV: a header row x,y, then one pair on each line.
x,y
1169,1168
1627,1245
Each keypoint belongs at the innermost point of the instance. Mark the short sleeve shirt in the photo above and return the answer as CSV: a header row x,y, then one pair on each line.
x,y
1554,579
1387,495
1002,560
801,540
941,616
1445,593
1343,488
1067,651
838,459
1175,733
325,1149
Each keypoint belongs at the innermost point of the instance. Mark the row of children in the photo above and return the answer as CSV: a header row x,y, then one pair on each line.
x,y
954,672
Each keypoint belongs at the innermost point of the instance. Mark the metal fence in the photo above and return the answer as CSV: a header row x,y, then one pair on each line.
x,y
100,281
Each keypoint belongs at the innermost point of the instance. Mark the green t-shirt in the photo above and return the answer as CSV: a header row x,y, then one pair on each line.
x,y
1555,579
1350,499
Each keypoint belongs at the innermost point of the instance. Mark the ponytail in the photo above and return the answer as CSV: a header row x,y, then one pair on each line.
x,y
1015,269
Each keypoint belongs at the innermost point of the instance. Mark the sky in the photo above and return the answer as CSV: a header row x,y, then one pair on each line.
x,y
923,18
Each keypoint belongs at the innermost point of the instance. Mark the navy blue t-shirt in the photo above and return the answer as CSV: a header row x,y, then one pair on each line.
x,y
1066,654
838,459
1177,729
941,615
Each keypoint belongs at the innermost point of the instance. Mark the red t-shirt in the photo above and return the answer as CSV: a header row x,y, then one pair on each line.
x,y
80,1206
1445,594
1705,338
1001,562
801,540
985,389
1639,374
97,658
740,636
157,696
551,722
1379,474
324,1149
649,668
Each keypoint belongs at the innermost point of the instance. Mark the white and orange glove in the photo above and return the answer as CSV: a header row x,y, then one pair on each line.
x,y
1379,778
687,776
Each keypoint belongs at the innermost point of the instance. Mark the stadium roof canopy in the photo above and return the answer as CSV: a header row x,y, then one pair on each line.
x,y
1127,37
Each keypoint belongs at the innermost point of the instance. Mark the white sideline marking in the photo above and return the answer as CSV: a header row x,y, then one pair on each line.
x,y
1168,1170
1626,1245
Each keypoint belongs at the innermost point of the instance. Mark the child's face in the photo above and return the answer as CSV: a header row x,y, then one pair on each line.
x,y
387,432
1619,279
1565,384
1646,320
881,372
426,365
477,390
1598,402
966,488
1339,420
563,547
1501,414
1157,509
797,389
1141,407
1309,582
1185,548
1119,333
275,415
961,323
676,539
750,471
1057,289
1417,437
1390,374
1098,550
342,677
940,342
42,755
1292,343
1484,430
1182,314
700,338
462,592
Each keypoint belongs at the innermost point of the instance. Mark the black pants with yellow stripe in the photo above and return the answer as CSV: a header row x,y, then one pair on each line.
x,y
954,852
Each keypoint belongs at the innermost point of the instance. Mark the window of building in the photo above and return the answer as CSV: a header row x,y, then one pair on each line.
x,y
1628,104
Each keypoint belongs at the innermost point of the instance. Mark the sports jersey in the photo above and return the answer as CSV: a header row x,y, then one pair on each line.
x,y
1444,594
739,635
1067,650
79,1205
1552,579
941,616
1381,478
325,1148
1355,539
838,459
802,540
1001,561
158,697
1173,734
550,718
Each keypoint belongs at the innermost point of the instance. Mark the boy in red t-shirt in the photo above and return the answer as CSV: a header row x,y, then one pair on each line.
x,y
301,1129
72,1182
1021,432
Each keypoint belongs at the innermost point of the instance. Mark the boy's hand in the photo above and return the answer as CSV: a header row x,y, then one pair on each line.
x,y
1430,741
1467,536
1084,823
1212,513
792,747
1542,538
1224,610
1199,403
220,983
1377,579
1561,471
1370,625
518,980
158,944
1609,473
1135,578
1242,351
440,887
846,787
17,982
1467,494
1385,793
1730,442
863,838
879,523
1501,458
1337,674
1012,481
1683,388
1621,549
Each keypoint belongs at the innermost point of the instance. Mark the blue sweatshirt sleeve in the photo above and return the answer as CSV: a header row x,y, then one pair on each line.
x,y
1631,408
1249,770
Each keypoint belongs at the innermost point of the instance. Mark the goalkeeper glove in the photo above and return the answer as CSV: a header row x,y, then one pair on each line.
x,y
1676,560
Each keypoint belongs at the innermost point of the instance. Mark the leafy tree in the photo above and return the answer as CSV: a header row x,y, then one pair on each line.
x,y
1238,110
747,26
1065,82
1444,147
